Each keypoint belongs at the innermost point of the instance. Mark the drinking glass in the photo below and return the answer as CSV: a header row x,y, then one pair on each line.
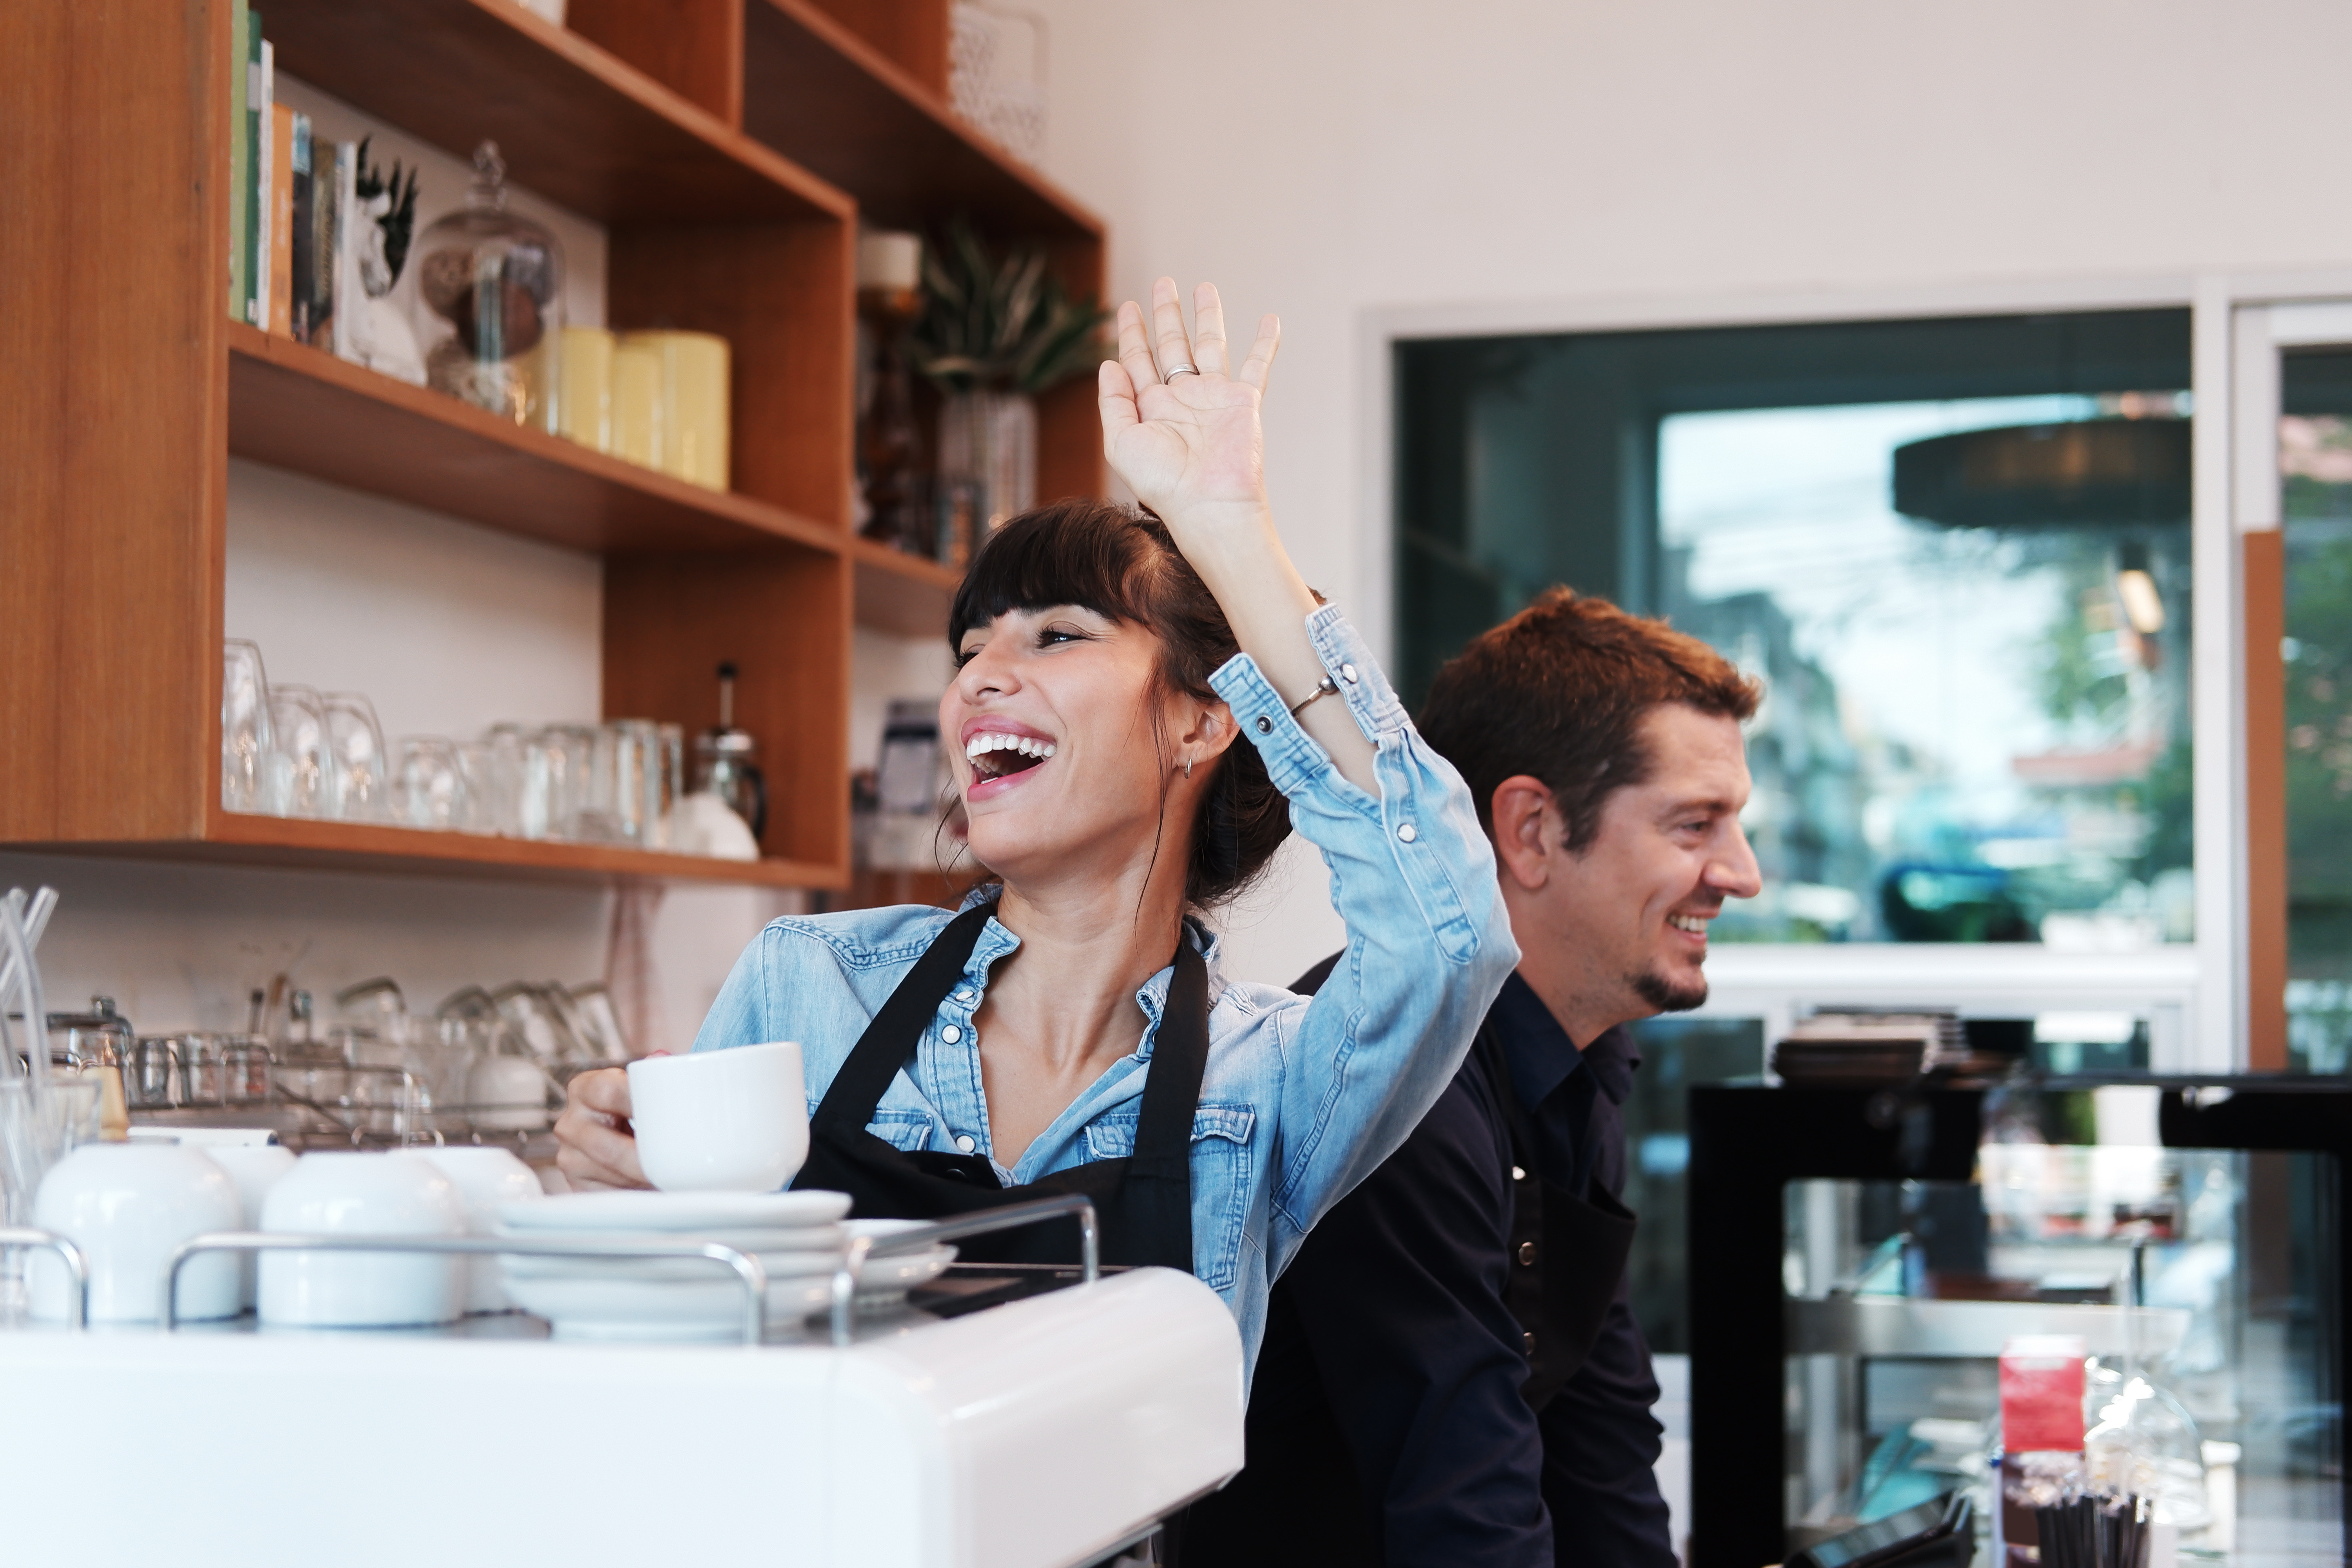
x,y
151,1080
248,1073
672,740
305,781
502,762
477,766
245,726
573,801
543,785
355,742
203,1069
430,790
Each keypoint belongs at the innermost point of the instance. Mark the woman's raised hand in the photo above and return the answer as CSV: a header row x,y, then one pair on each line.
x,y
1191,449
1190,446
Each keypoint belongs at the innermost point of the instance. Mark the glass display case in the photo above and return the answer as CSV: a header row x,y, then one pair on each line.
x,y
1859,1258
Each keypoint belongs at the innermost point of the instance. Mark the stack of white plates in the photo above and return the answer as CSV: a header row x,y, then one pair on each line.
x,y
797,1236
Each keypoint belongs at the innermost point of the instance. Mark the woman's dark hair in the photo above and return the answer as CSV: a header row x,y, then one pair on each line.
x,y
1123,565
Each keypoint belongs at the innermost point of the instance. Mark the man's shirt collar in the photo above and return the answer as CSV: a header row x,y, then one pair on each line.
x,y
1535,1050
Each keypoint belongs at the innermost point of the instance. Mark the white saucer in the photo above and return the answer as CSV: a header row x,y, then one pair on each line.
x,y
584,1306
781,1264
675,1211
806,1238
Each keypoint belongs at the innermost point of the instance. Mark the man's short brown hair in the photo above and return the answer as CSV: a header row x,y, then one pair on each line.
x,y
1557,692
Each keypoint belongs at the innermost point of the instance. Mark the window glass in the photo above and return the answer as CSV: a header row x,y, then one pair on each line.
x,y
2315,473
1970,732
1957,548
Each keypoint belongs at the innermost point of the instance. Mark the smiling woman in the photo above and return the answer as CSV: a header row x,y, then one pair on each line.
x,y
1068,1031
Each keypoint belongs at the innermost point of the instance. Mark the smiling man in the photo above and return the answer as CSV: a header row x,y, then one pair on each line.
x,y
1451,1374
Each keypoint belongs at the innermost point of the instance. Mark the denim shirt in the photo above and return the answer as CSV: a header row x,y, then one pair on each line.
x,y
1302,1096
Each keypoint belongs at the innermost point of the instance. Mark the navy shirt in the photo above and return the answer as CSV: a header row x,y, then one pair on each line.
x,y
1387,1424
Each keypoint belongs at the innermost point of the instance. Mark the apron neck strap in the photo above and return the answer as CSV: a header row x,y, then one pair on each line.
x,y
857,1087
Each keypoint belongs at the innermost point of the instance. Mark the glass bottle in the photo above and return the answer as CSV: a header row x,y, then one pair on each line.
x,y
490,303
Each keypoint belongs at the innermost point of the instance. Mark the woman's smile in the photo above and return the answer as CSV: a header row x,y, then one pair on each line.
x,y
1003,752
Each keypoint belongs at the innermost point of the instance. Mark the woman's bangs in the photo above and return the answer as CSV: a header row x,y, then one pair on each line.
x,y
1081,554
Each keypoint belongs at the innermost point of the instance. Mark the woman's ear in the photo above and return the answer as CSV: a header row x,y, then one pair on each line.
x,y
1523,814
1209,730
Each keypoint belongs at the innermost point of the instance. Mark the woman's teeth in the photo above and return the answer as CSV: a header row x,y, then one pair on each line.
x,y
1691,923
995,756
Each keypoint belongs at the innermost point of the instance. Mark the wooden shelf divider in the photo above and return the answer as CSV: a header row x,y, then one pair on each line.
x,y
298,407
827,99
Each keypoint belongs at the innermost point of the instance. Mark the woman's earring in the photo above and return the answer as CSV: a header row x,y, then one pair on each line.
x,y
1188,767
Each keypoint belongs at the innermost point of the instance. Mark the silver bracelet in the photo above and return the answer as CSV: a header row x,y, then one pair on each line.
x,y
1327,687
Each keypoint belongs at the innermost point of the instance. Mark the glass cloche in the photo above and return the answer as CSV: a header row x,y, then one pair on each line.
x,y
489,302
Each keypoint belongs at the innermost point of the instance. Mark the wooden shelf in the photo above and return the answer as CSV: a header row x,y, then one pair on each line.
x,y
298,407
902,593
574,123
824,97
235,839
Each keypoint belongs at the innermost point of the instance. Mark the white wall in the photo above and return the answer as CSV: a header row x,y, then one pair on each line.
x,y
1338,161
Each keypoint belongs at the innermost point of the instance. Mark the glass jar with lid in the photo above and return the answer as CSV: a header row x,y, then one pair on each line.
x,y
488,311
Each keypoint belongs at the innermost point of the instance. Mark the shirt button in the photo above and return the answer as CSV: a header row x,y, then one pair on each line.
x,y
1265,725
964,996
1406,833
1518,1174
1528,1252
1348,673
951,1034
966,1142
1530,1338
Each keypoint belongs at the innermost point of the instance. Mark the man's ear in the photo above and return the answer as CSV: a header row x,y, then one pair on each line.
x,y
1523,812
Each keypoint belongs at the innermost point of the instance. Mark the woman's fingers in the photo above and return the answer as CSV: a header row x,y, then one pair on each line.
x,y
593,1147
1134,352
1115,392
1168,327
1260,364
1208,330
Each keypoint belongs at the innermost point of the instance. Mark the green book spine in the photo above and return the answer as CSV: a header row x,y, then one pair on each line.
x,y
251,252
240,157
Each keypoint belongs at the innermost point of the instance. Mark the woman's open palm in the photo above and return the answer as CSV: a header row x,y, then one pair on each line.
x,y
1192,445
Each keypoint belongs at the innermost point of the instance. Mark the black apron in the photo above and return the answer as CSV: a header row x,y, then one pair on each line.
x,y
1143,1202
1300,1502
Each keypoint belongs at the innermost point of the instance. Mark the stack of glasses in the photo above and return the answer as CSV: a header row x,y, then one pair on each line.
x,y
290,750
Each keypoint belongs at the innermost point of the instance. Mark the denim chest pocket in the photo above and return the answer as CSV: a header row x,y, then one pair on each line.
x,y
905,1130
1221,1166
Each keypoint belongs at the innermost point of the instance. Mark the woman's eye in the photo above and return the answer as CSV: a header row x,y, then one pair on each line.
x,y
966,656
1052,634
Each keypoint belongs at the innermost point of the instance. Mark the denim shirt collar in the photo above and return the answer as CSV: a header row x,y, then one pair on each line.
x,y
998,940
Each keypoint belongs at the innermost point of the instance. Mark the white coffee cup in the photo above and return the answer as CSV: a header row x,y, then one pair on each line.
x,y
732,1121
128,1207
347,1192
484,1178
255,1168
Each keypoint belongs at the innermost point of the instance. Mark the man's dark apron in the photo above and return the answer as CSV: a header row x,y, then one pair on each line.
x,y
1300,1502
1143,1202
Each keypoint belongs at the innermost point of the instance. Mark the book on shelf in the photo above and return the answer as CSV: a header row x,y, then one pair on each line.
x,y
338,254
249,177
237,165
281,219
265,181
314,236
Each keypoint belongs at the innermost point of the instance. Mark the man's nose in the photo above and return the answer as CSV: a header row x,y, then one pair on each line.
x,y
1733,871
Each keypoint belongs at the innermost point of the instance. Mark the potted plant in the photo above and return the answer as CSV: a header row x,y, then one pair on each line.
x,y
996,329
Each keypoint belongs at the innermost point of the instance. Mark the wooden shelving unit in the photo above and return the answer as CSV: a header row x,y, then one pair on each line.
x,y
685,127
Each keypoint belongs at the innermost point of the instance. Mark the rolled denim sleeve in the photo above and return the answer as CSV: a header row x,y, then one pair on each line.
x,y
1429,941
